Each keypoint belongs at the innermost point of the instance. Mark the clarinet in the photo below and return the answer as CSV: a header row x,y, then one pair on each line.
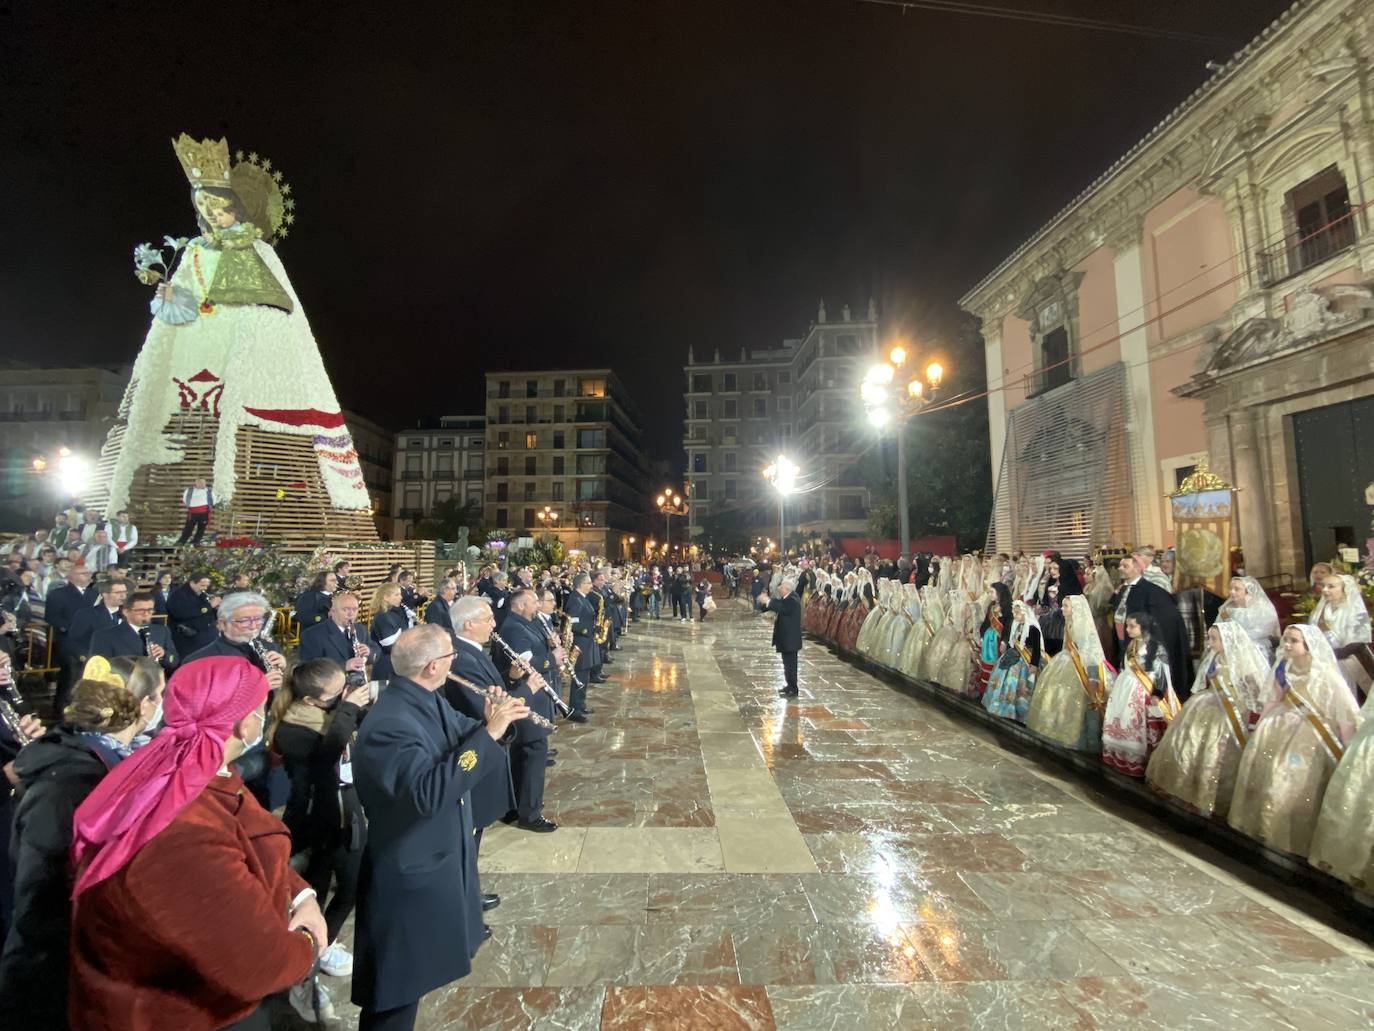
x,y
10,705
492,695
563,708
567,668
353,678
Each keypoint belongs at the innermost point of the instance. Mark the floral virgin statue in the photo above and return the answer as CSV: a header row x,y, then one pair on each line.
x,y
230,351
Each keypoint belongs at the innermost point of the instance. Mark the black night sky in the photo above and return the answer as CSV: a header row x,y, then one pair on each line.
x,y
518,184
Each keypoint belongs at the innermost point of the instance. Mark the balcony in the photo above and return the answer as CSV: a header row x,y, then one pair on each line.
x,y
1300,252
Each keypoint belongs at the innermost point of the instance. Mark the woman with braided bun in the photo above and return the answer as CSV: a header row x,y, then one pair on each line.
x,y
114,701
238,924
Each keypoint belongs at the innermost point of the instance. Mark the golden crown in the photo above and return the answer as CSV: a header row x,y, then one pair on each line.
x,y
205,163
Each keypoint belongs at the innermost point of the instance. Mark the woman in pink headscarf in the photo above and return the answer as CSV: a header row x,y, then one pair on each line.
x,y
186,913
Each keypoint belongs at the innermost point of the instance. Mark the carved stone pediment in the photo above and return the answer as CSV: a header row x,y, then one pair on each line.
x,y
1253,339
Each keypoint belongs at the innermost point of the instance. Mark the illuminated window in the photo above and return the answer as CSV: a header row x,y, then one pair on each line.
x,y
591,388
531,441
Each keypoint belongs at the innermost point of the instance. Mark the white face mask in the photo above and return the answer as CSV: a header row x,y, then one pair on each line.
x,y
156,720
262,726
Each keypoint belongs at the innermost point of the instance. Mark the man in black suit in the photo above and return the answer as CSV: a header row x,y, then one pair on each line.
x,y
497,589
64,601
137,635
581,613
330,639
494,797
787,630
437,614
191,614
529,754
1142,595
104,614
415,765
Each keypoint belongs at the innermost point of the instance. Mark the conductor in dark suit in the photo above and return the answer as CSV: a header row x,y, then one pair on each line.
x,y
494,796
419,900
1144,596
437,613
529,752
787,630
138,635
330,638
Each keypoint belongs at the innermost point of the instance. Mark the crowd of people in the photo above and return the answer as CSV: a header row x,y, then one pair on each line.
x,y
1267,732
285,789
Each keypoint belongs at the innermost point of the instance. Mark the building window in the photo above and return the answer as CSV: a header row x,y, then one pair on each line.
x,y
531,441
591,388
474,442
503,414
529,490
531,388
760,408
412,503
760,381
529,518
412,442
699,462
556,492
588,465
531,413
784,404
558,391
503,492
729,409
701,383
557,413
446,444
591,438
593,518
503,388
443,492
846,345
590,490
1318,216
727,382
701,410
851,506
503,466
443,464
500,517
558,439
531,463
474,463
1054,358
731,490
414,466
730,460
558,465
502,440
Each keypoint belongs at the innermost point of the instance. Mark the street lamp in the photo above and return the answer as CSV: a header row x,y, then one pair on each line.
x,y
887,403
547,516
670,503
782,473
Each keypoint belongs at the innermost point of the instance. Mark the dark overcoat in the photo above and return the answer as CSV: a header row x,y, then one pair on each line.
x,y
494,796
787,629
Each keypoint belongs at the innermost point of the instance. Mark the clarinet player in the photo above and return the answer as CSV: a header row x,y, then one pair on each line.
x,y
341,638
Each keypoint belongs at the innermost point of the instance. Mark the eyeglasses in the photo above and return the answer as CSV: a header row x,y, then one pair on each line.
x,y
248,621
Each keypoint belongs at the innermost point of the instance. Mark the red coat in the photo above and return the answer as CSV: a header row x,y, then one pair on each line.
x,y
192,932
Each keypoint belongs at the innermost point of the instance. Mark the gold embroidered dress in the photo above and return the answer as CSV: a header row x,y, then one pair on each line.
x,y
1294,750
1343,844
1070,693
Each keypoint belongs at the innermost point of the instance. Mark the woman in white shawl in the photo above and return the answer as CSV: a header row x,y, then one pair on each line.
x,y
1250,608
1344,841
905,608
1013,678
1342,618
928,624
1142,701
875,618
1296,746
1071,691
1197,761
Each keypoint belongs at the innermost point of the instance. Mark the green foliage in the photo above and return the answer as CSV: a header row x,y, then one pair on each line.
x,y
448,518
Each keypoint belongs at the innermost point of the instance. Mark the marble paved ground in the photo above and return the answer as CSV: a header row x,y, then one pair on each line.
x,y
859,859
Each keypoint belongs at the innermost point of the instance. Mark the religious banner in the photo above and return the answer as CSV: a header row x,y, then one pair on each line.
x,y
1203,507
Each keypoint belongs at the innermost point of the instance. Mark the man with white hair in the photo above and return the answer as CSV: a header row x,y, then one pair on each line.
x,y
787,630
242,616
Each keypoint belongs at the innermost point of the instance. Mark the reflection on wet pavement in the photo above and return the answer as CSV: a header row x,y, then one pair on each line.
x,y
858,859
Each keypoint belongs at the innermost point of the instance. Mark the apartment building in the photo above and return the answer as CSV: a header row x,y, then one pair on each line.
x,y
565,456
797,399
437,460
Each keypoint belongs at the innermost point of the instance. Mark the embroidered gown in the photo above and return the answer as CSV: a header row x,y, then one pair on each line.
x,y
1343,844
1070,693
906,607
1197,761
1294,751
1140,706
922,633
1012,681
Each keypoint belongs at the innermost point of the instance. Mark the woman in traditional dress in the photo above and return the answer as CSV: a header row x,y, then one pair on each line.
x,y
1343,844
1197,761
1142,701
907,609
864,643
1342,617
1012,681
1250,608
923,633
858,611
1099,591
948,637
1070,692
993,636
1296,745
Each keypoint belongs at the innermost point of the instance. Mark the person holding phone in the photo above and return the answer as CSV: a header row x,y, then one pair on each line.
x,y
312,726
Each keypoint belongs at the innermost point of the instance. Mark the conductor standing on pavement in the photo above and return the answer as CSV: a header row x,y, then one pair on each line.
x,y
787,630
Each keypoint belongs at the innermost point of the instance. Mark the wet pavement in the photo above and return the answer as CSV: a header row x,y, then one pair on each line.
x,y
860,859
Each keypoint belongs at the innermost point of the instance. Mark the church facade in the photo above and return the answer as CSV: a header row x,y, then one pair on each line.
x,y
1211,295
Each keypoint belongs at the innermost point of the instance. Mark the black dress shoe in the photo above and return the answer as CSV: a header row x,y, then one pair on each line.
x,y
510,817
539,825
553,751
608,660
588,712
600,680
577,717
486,932
550,762
490,902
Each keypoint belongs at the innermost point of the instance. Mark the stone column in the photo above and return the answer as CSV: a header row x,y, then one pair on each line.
x,y
1252,492
1140,425
997,399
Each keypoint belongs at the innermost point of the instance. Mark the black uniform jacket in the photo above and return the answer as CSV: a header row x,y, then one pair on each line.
x,y
494,796
192,619
419,902
787,630
124,640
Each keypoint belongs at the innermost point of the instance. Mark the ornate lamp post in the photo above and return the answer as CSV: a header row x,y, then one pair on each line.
x,y
888,403
670,503
782,473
